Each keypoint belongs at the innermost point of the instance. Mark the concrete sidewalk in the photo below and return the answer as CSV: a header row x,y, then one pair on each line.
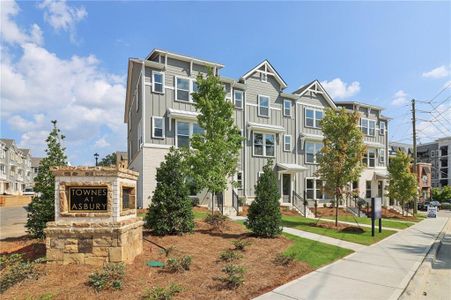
x,y
380,271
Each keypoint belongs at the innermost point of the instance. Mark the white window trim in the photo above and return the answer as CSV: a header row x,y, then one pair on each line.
x,y
289,102
314,117
368,128
190,130
258,106
382,130
381,155
153,82
314,188
285,144
234,99
241,186
368,158
264,144
153,127
263,76
190,89
315,143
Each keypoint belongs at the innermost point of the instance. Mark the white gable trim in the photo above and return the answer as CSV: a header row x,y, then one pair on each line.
x,y
317,88
269,70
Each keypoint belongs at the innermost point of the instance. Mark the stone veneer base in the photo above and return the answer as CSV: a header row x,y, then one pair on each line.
x,y
94,243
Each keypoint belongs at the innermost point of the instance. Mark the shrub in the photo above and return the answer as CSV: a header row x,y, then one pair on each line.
x,y
161,293
14,269
241,244
283,259
324,205
178,264
110,276
171,209
167,251
264,218
216,220
445,206
234,276
229,255
241,201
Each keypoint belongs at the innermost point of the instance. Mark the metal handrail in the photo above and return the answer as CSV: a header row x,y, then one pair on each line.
x,y
298,202
235,201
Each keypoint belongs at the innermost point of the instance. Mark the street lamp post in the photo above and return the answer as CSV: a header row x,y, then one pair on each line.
x,y
96,156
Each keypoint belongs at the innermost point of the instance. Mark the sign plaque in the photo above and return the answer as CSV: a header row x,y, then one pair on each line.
x,y
88,199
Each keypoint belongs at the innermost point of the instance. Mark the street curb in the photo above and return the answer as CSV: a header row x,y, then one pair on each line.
x,y
416,280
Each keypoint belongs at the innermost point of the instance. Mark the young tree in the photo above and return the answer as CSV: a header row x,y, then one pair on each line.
x,y
264,218
109,160
42,207
441,194
171,209
403,182
340,161
215,152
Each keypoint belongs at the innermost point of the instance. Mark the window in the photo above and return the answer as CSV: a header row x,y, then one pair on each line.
x,y
314,189
319,189
382,128
313,117
382,157
239,179
195,88
158,82
184,131
183,134
310,188
264,144
238,98
287,143
371,158
312,150
368,127
287,108
432,153
2,169
182,89
157,127
368,190
263,77
263,106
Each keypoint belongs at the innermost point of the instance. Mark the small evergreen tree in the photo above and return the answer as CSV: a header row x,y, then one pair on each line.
x,y
108,160
42,207
264,218
403,182
171,209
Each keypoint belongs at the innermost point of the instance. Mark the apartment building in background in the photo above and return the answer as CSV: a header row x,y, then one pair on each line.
x,y
438,154
15,168
283,126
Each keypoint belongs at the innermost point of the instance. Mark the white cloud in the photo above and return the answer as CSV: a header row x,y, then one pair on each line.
x,y
102,143
339,89
399,98
38,86
10,32
62,16
438,72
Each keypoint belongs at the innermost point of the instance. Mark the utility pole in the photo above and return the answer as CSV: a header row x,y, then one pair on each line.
x,y
414,135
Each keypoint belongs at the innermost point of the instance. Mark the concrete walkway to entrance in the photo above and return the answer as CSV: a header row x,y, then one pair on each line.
x,y
379,271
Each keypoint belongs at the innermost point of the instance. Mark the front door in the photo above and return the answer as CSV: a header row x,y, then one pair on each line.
x,y
286,188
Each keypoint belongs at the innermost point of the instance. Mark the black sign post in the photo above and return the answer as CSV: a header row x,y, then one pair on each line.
x,y
376,213
88,199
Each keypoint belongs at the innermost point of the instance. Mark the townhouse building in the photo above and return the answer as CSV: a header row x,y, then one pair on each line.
x,y
438,154
277,125
15,168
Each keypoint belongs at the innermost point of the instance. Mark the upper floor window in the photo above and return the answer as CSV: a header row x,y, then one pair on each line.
x,y
313,117
239,179
368,189
368,127
287,142
184,131
382,157
264,144
2,169
182,89
157,127
238,98
369,158
158,82
263,106
287,108
312,152
381,128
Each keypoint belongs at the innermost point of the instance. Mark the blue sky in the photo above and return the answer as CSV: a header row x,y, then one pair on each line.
x,y
67,60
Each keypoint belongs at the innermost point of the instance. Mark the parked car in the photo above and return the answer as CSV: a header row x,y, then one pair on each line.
x,y
423,205
28,192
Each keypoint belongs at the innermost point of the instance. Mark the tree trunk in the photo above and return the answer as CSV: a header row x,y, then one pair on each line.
x,y
212,202
336,210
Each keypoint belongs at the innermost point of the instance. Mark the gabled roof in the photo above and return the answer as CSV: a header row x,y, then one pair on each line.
x,y
315,87
131,63
184,57
25,151
8,142
272,72
35,161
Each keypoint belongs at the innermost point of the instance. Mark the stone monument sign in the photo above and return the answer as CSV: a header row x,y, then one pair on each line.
x,y
95,216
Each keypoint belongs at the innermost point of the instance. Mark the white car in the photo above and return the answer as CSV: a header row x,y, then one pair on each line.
x,y
28,192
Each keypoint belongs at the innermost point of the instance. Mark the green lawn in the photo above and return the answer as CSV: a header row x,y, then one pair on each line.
x,y
314,253
385,222
363,238
199,215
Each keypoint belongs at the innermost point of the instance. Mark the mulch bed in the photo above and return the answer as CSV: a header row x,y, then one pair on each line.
x,y
340,227
393,214
204,245
330,212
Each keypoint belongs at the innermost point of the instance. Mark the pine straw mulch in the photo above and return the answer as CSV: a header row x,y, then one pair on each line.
x,y
69,282
330,212
340,227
